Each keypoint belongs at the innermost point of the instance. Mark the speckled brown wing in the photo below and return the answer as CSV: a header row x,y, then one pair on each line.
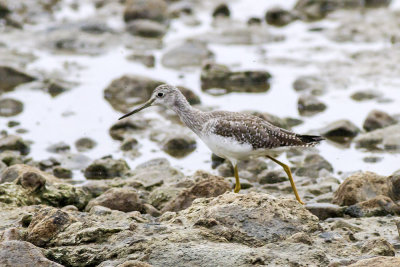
x,y
256,131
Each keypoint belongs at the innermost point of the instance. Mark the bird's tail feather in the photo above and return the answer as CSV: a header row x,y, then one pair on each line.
x,y
310,140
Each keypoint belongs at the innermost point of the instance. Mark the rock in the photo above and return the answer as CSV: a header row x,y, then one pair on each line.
x,y
222,10
10,234
84,144
387,138
146,28
359,187
308,105
10,157
279,17
46,224
379,247
325,210
146,59
311,10
300,238
179,146
145,9
191,96
106,168
10,107
59,147
62,173
377,3
219,76
310,84
393,182
272,177
20,172
377,206
207,185
14,143
11,78
123,199
340,131
126,128
252,219
191,53
125,92
365,95
21,253
377,119
377,261
129,144
162,195
254,21
312,165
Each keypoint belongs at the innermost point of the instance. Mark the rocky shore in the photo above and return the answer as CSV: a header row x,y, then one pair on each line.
x,y
79,188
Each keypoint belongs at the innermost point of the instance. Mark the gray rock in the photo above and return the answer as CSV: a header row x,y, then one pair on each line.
x,y
106,168
308,105
11,78
146,28
146,59
126,128
21,253
279,17
359,187
14,143
129,144
207,186
10,107
179,146
312,165
325,210
311,10
18,171
191,53
62,173
272,177
365,95
145,9
60,147
125,92
394,186
377,206
46,224
219,76
123,199
387,138
381,261
377,3
222,10
377,119
85,144
378,247
341,131
311,84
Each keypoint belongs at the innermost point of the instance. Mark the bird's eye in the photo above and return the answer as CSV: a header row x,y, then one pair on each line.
x,y
160,94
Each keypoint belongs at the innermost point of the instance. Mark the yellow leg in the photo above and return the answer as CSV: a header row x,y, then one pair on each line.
x,y
237,186
289,174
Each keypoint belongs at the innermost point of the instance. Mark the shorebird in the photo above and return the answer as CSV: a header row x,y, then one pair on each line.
x,y
230,135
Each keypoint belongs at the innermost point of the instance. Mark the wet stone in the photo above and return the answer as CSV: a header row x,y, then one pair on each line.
x,y
382,261
146,28
127,127
312,166
62,173
312,84
387,139
14,143
254,21
377,206
10,157
106,168
220,77
10,107
308,105
278,17
145,9
377,119
129,144
146,59
12,124
85,144
60,147
378,247
340,131
191,53
10,78
394,186
222,10
365,95
179,146
310,10
271,177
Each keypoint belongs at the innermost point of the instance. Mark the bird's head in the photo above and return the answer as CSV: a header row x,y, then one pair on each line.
x,y
164,95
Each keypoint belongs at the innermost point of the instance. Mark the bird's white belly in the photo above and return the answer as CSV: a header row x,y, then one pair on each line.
x,y
227,147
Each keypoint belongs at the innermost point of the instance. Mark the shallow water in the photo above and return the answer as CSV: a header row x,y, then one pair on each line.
x,y
89,115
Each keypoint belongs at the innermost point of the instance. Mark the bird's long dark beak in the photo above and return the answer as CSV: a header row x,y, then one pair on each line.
x,y
145,105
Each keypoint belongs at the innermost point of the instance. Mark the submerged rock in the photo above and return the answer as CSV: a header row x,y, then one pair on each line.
x,y
312,166
279,17
191,53
21,253
311,84
146,28
365,95
222,10
126,128
14,143
179,146
145,9
125,92
146,59
341,131
387,138
10,107
106,168
60,147
311,10
220,77
359,187
377,119
11,78
85,144
308,105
